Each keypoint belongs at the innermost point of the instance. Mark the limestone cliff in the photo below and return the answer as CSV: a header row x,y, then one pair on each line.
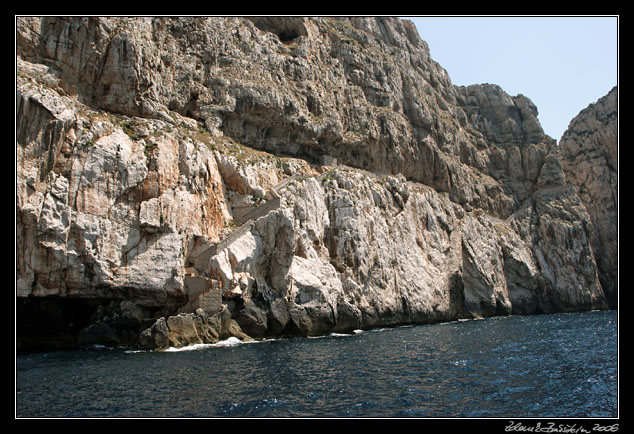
x,y
589,155
184,179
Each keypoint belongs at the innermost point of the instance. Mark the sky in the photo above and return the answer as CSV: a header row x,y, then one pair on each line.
x,y
561,63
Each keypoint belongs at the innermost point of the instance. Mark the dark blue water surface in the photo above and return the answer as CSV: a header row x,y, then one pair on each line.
x,y
562,365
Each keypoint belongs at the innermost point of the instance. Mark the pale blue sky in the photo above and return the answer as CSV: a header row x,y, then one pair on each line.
x,y
561,63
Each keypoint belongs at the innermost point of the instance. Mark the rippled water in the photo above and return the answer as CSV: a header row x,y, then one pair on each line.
x,y
561,365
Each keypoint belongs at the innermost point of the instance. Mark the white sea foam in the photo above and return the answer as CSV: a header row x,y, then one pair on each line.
x,y
333,335
193,347
230,342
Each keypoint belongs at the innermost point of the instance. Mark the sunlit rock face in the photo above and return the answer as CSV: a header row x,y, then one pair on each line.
x,y
589,156
293,176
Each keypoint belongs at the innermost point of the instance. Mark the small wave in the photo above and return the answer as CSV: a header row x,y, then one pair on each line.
x,y
477,318
230,342
382,329
193,347
335,335
97,347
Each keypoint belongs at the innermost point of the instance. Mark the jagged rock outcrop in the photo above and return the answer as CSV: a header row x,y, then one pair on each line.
x,y
189,329
143,142
363,90
589,156
365,251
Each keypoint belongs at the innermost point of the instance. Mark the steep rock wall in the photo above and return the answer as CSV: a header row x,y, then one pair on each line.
x,y
359,251
141,142
589,155
363,90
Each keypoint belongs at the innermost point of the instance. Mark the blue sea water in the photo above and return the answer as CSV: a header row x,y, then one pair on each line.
x,y
560,365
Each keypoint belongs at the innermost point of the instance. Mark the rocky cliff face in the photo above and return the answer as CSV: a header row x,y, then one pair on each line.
x,y
289,175
589,155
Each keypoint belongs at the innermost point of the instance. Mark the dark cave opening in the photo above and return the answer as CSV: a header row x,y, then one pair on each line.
x,y
51,322
57,323
287,36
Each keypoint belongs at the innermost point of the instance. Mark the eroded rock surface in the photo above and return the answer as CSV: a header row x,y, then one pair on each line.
x,y
143,143
589,155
